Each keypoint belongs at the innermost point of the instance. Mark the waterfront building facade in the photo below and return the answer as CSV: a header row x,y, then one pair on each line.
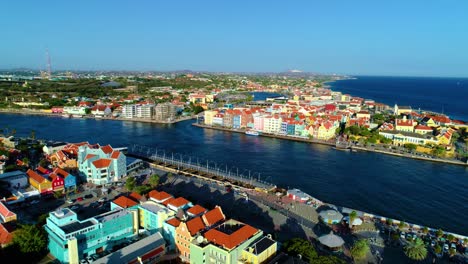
x,y
165,112
129,111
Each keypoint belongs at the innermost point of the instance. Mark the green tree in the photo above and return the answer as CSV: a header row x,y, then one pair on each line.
x,y
439,233
416,250
450,237
130,183
31,240
437,249
401,225
425,230
452,252
299,246
360,249
154,180
465,241
410,146
352,217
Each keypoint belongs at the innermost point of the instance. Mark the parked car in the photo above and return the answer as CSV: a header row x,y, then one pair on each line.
x,y
88,196
89,259
402,235
79,199
103,199
83,261
69,201
95,256
75,207
453,245
433,243
35,202
446,247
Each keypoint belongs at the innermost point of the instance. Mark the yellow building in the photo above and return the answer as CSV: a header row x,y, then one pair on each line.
x,y
326,131
405,124
39,182
209,114
209,98
197,98
398,110
259,251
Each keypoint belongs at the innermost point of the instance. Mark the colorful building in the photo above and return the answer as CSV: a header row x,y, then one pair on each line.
x,y
153,215
71,240
223,243
40,183
101,165
259,251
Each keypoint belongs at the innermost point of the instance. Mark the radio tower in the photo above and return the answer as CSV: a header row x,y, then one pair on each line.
x,y
49,70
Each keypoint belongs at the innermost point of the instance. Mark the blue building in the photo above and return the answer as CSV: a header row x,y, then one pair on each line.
x,y
291,129
71,239
236,121
284,128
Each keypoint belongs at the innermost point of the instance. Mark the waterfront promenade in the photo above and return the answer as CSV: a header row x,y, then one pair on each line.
x,y
142,120
377,149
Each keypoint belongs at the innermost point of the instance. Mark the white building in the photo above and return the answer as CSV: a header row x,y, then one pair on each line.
x,y
272,124
144,111
129,111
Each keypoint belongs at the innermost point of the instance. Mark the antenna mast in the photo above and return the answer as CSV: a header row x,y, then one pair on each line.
x,y
49,70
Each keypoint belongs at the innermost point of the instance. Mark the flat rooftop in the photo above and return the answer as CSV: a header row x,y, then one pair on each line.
x,y
75,226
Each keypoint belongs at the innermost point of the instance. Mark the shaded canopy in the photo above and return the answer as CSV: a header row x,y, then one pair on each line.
x,y
331,240
331,214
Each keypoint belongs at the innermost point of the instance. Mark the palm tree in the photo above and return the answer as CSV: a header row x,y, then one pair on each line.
x,y
416,250
352,217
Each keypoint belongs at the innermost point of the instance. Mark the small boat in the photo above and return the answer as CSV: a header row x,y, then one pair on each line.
x,y
252,133
77,116
66,115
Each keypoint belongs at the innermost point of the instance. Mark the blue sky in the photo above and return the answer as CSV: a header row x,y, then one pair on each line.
x,y
416,38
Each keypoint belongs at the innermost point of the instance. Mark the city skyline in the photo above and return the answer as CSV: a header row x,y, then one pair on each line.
x,y
397,39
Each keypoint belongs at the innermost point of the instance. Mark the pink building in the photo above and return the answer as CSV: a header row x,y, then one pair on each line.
x,y
258,123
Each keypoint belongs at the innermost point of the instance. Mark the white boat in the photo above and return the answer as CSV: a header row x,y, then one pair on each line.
x,y
66,115
252,133
77,116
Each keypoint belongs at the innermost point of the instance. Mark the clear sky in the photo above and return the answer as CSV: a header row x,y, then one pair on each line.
x,y
398,37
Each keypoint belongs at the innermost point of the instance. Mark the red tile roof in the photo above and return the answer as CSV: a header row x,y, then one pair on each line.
x,y
36,177
179,202
230,241
213,216
423,127
6,235
196,210
42,170
173,222
195,225
102,163
89,156
166,202
115,154
135,196
107,149
402,122
61,172
159,196
124,202
5,212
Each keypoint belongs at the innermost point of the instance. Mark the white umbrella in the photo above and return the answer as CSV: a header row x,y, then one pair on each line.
x,y
331,240
357,221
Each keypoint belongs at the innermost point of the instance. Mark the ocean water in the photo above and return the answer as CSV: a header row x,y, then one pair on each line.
x,y
442,95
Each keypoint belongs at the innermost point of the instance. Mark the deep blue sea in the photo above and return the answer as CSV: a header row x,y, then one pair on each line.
x,y
415,191
447,95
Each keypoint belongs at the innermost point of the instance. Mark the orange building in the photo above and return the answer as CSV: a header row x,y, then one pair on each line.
x,y
185,233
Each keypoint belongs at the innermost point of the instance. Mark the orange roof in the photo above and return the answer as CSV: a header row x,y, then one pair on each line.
x,y
89,156
179,202
6,235
213,216
166,202
173,222
61,172
102,163
42,170
196,210
195,225
54,176
230,241
159,196
107,149
5,212
36,177
423,127
124,202
115,154
135,196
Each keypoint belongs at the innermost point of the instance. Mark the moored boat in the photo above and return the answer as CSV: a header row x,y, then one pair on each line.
x,y
252,133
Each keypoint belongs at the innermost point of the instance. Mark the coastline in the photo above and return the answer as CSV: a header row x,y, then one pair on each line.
x,y
41,113
332,144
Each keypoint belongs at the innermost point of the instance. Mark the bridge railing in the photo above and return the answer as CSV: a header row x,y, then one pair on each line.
x,y
176,159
